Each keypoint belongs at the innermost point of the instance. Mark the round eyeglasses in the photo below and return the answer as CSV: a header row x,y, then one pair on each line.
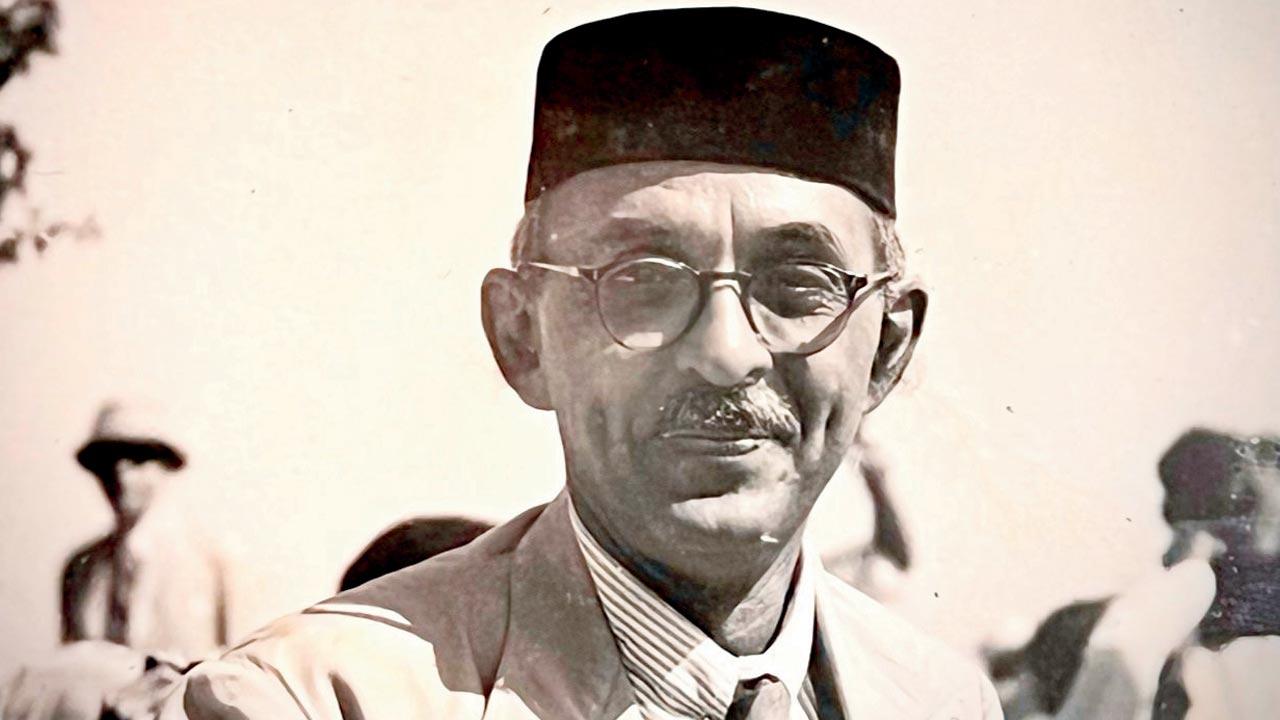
x,y
797,307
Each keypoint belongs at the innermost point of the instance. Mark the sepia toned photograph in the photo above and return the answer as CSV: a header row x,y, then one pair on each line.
x,y
638,360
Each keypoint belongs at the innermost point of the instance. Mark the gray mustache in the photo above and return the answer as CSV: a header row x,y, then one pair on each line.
x,y
752,410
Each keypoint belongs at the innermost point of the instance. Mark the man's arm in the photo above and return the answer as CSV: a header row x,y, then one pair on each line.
x,y
76,577
221,632
325,665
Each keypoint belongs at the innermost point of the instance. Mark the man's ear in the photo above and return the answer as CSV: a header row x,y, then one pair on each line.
x,y
899,331
507,311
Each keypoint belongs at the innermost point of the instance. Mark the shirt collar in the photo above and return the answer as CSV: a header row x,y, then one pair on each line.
x,y
671,663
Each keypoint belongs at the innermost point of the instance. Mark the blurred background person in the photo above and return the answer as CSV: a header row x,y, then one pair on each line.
x,y
1224,491
1222,499
875,562
1200,639
149,583
140,604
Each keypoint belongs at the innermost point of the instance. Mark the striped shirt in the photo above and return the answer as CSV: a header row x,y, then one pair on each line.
x,y
674,668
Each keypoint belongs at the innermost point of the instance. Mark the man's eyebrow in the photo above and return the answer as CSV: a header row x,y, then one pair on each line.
x,y
630,233
800,237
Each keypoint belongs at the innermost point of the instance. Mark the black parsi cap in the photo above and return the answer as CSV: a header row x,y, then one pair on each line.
x,y
728,85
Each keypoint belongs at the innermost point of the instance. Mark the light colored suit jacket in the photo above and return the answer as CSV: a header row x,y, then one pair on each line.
x,y
177,605
510,627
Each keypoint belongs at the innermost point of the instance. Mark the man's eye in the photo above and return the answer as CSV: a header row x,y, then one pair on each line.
x,y
646,274
804,278
641,275
797,290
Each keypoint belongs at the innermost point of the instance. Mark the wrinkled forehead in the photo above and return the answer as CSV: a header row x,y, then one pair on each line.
x,y
697,199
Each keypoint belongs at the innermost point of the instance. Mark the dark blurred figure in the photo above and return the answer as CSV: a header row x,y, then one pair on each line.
x,y
1228,490
876,566
1034,679
408,543
26,27
889,538
1222,501
149,583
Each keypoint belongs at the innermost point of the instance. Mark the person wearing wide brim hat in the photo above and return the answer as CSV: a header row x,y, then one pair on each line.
x,y
150,583
134,433
123,431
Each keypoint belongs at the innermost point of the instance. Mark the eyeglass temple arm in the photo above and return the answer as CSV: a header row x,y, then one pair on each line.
x,y
569,270
874,281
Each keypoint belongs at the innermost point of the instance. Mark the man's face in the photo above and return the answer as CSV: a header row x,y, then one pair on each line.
x,y
139,483
684,453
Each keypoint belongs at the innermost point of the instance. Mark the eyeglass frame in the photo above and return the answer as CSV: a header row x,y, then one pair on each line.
x,y
741,280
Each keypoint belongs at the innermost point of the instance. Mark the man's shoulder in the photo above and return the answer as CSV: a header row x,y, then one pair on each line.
x,y
470,580
911,667
430,635
330,664
878,628
456,597
89,556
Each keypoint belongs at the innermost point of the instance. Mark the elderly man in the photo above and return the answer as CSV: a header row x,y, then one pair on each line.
x,y
707,292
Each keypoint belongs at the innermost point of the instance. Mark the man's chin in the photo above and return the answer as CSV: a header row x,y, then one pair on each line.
x,y
706,468
729,499
745,516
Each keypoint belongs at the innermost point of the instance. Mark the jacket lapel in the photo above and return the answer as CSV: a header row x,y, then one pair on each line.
x,y
560,659
867,681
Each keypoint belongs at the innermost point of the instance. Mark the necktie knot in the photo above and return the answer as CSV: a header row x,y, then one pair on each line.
x,y
762,698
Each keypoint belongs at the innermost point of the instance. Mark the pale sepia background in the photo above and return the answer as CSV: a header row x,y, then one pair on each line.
x,y
298,200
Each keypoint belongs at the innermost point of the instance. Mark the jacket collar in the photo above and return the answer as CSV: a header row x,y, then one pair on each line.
x,y
863,648
560,659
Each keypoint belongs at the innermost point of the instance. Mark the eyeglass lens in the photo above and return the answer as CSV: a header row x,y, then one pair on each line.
x,y
794,302
649,302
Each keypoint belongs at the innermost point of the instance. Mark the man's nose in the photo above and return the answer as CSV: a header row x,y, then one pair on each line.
x,y
721,346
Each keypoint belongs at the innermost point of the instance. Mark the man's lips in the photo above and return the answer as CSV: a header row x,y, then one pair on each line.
x,y
715,442
715,434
